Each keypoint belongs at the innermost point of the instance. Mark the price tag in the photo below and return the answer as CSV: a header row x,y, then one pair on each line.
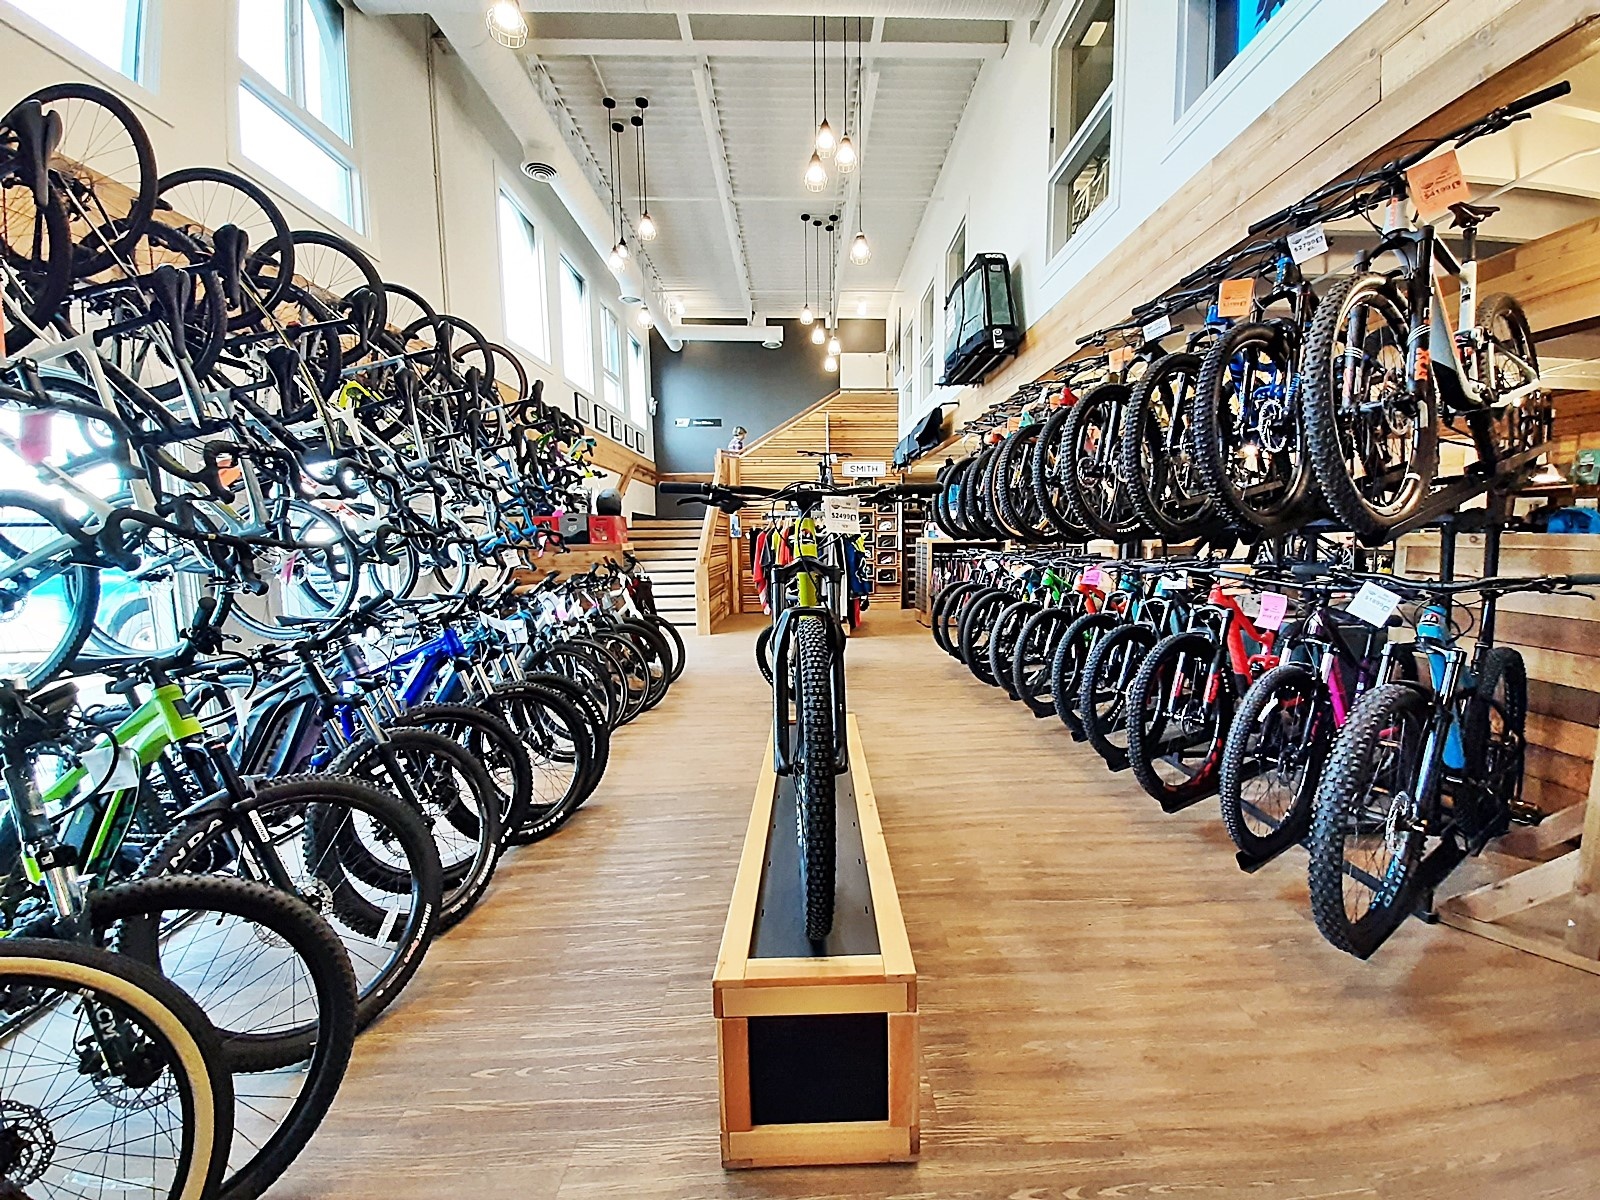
x,y
1176,580
97,765
1373,604
1308,243
34,444
1092,577
841,514
1160,327
1273,607
518,630
1235,297
1437,184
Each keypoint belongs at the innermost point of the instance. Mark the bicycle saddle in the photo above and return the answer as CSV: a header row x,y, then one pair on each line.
x,y
1467,215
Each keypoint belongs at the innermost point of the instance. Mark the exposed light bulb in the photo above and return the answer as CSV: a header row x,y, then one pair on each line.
x,y
860,249
816,174
825,139
805,315
619,255
817,336
830,363
833,346
643,318
507,24
647,227
845,156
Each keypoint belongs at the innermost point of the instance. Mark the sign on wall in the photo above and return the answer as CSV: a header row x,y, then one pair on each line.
x,y
865,468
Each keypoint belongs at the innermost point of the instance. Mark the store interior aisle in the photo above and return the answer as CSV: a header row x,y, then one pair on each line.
x,y
1109,1006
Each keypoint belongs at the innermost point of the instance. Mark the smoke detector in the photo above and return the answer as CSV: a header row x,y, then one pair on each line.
x,y
539,172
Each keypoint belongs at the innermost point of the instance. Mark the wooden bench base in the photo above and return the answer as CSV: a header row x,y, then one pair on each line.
x,y
818,1055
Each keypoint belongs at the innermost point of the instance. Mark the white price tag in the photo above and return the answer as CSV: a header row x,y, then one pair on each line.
x,y
841,514
519,630
97,766
1308,243
866,469
1159,327
1373,604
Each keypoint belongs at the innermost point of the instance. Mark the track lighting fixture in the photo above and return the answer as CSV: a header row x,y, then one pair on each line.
x,y
507,24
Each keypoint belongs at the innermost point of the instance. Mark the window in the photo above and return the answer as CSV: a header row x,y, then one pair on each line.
x,y
1214,34
577,341
611,365
522,281
294,100
925,373
955,258
638,389
1080,130
110,31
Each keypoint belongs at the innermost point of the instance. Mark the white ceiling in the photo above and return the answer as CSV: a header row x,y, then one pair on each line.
x,y
730,126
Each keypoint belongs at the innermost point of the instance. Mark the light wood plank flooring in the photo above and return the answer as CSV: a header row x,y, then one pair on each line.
x,y
1110,1008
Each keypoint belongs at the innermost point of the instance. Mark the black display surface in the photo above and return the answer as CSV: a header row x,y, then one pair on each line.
x,y
819,1068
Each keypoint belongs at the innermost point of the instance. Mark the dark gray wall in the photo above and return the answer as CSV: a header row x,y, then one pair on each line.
x,y
742,383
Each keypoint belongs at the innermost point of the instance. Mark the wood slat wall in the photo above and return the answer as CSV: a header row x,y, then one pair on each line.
x,y
714,596
1558,637
860,424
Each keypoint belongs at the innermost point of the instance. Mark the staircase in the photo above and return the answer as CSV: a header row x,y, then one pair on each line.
x,y
667,548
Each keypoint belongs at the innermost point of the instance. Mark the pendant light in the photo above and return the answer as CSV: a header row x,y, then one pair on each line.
x,y
805,254
818,336
647,224
507,24
831,363
846,157
826,143
619,248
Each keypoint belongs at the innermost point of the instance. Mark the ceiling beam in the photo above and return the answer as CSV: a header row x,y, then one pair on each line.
x,y
668,48
706,94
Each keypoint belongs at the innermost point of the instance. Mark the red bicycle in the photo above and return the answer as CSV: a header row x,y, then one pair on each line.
x,y
1182,700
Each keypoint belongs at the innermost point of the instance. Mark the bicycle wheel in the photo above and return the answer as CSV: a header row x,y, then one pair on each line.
x,y
669,633
1272,760
1493,742
113,1080
814,778
453,794
945,617
1095,496
35,250
635,670
1036,650
106,169
47,601
198,201
1373,442
593,667
1071,661
337,279
1015,504
562,745
1247,436
657,657
1004,641
1050,465
977,628
1179,709
1108,673
318,837
491,742
1156,450
271,975
1366,828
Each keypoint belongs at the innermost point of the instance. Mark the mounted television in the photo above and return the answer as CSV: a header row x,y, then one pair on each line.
x,y
981,320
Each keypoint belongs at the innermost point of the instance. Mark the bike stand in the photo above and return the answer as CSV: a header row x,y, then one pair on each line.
x,y
1170,807
817,1043
1250,863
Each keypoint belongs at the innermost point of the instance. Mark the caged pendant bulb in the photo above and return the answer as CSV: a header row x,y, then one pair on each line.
x,y
833,347
805,315
830,363
825,140
647,227
860,249
845,157
816,174
817,336
619,255
507,24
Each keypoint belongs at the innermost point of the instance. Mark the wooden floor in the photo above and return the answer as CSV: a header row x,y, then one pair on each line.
x,y
1109,1007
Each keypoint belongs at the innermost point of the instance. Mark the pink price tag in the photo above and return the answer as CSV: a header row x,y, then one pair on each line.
x,y
34,444
1092,577
1273,607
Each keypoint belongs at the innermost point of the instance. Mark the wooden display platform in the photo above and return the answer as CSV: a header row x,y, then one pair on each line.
x,y
816,1045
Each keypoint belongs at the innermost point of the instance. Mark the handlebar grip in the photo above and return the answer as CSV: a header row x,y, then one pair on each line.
x,y
684,489
1277,218
919,489
1543,96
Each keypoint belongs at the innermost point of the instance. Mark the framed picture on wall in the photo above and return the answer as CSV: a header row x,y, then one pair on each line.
x,y
616,428
580,406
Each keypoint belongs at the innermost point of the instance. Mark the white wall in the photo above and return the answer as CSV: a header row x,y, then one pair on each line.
x,y
996,175
186,105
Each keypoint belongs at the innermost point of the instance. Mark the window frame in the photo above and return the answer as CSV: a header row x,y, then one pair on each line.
x,y
613,383
292,110
637,382
542,356
1199,85
1071,30
1098,124
585,384
929,321
146,55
